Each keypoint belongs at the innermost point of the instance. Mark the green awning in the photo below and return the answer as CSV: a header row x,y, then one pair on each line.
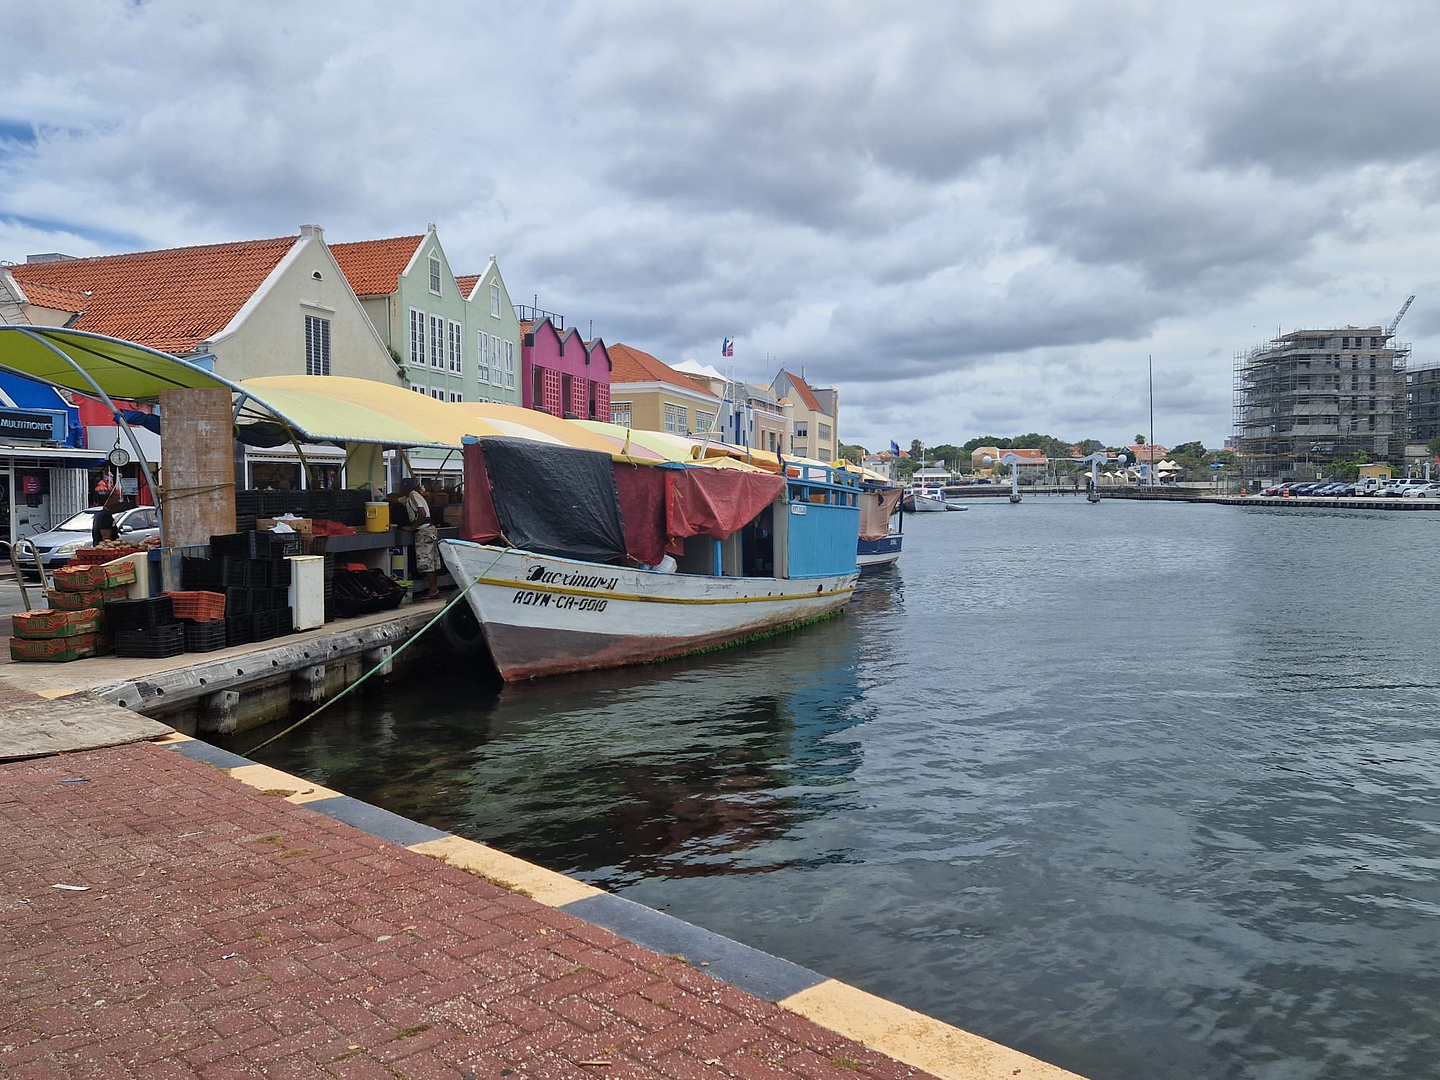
x,y
121,369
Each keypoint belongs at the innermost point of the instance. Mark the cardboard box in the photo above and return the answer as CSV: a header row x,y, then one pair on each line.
x,y
303,526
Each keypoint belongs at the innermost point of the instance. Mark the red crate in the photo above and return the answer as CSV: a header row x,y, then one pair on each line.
x,y
198,606
87,556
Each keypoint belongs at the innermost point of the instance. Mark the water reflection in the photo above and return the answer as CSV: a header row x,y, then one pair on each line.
x,y
687,769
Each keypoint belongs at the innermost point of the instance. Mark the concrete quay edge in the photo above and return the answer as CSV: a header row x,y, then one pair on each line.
x,y
909,1037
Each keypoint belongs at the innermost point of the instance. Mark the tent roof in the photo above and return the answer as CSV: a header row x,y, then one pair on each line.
x,y
332,408
543,427
122,369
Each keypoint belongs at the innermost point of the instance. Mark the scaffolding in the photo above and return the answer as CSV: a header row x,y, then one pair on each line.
x,y
1309,398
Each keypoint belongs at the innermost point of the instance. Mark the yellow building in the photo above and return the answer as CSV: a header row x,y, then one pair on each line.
x,y
648,394
815,420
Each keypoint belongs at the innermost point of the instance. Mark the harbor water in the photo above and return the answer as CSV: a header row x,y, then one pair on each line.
x,y
1143,790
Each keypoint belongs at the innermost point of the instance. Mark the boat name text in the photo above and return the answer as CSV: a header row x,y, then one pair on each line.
x,y
574,581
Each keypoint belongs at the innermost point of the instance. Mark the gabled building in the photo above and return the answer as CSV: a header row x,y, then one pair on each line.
x,y
815,420
494,330
750,414
561,373
649,394
250,308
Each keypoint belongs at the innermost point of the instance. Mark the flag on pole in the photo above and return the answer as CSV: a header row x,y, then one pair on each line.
x,y
894,448
727,347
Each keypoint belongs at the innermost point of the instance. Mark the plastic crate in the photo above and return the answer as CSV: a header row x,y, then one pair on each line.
x,y
246,545
237,629
280,571
200,574
88,556
154,642
147,614
268,624
237,600
206,636
198,606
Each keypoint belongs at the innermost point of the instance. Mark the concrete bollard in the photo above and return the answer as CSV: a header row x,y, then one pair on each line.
x,y
307,686
373,657
219,712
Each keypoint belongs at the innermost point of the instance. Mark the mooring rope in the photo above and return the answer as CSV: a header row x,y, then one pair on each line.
x,y
389,659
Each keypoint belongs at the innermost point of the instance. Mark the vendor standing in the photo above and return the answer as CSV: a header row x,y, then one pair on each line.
x,y
427,538
102,525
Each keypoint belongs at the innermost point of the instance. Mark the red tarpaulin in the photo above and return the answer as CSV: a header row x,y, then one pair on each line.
x,y
715,502
642,510
478,520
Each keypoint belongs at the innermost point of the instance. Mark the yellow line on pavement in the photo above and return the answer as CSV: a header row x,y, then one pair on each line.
x,y
544,886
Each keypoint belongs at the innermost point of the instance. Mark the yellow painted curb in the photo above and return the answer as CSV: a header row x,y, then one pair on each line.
x,y
171,739
51,695
914,1038
545,886
264,778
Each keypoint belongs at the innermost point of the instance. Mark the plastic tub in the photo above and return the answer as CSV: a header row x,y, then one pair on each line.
x,y
377,517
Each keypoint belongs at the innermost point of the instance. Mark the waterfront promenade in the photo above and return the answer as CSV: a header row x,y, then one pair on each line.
x,y
223,919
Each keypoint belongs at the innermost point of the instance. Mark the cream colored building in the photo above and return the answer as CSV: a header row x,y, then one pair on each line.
x,y
815,416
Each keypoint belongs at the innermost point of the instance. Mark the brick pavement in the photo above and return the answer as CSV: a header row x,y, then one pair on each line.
x,y
227,933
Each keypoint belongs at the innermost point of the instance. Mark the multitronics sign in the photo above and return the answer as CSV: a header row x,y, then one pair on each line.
x,y
24,424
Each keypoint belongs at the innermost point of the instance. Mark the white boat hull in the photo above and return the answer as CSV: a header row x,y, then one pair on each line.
x,y
543,615
922,504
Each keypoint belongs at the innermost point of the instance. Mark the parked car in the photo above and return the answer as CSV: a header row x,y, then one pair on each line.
x,y
1422,491
57,546
1397,487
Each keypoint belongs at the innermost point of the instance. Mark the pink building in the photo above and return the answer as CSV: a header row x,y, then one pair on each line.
x,y
562,374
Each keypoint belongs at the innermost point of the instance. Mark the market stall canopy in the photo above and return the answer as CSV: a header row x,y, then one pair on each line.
x,y
543,427
121,369
869,476
669,447
332,408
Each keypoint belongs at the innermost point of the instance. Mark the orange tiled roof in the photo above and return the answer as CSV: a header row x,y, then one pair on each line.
x,y
806,394
58,299
1025,453
467,283
373,267
628,365
170,299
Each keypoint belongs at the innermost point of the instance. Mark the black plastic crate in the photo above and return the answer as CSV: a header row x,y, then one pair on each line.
x,y
202,575
206,636
282,544
269,624
237,600
280,571
237,629
140,614
157,641
247,545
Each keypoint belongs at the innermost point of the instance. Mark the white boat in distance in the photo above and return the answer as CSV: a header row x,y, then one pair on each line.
x,y
925,499
754,554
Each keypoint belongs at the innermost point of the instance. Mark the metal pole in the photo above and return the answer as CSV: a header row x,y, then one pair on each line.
x,y
116,415
1151,360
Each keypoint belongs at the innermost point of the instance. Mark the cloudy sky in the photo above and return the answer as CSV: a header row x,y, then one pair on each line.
x,y
973,218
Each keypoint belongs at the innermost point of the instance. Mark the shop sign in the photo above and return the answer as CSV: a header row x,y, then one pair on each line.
x,y
30,484
31,424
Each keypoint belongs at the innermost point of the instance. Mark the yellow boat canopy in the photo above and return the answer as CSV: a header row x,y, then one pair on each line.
x,y
97,365
333,408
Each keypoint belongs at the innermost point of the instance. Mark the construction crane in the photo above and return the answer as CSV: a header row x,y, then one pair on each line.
x,y
1390,330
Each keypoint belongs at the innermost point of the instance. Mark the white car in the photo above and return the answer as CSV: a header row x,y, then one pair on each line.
x,y
1422,491
56,546
1402,485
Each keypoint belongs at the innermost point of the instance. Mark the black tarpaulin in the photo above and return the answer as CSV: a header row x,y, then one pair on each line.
x,y
555,500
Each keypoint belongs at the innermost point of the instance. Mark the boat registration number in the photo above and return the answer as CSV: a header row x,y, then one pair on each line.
x,y
559,603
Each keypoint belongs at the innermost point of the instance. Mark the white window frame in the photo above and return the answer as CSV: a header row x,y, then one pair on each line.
x,y
677,419
417,388
456,336
483,340
704,421
437,341
621,413
317,345
509,365
456,395
435,279
418,323
438,395
494,300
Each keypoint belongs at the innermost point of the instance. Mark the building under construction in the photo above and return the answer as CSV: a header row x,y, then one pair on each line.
x,y
1313,397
